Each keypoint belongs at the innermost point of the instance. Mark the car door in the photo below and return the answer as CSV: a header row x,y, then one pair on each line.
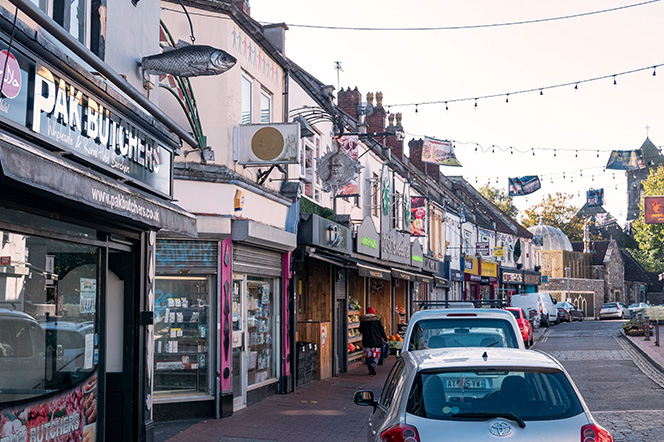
x,y
384,416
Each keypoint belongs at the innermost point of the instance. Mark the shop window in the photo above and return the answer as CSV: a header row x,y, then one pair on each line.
x,y
181,336
73,15
48,318
261,327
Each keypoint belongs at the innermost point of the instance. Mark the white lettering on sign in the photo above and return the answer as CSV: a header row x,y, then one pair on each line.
x,y
78,121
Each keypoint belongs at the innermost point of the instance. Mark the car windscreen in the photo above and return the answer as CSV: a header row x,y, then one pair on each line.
x,y
610,305
515,313
462,332
475,395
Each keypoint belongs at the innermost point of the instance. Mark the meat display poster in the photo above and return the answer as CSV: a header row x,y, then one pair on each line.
x,y
70,416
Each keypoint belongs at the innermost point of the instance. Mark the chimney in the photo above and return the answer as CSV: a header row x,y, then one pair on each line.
x,y
275,33
348,101
391,141
431,170
376,121
242,5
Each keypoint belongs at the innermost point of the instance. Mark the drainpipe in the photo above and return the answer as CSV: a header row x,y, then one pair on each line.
x,y
46,22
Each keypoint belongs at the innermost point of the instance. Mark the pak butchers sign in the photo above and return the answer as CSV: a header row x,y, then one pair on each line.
x,y
88,127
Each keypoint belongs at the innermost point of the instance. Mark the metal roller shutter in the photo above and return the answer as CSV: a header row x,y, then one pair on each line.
x,y
256,261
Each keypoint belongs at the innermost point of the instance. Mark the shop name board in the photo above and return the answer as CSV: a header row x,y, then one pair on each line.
x,y
395,247
418,259
76,121
512,277
532,279
367,239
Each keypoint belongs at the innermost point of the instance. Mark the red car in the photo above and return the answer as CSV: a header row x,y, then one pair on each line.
x,y
524,324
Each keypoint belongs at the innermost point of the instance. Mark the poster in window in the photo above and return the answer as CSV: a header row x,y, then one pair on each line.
x,y
88,287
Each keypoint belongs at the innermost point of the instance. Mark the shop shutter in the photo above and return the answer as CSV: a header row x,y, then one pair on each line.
x,y
255,261
187,256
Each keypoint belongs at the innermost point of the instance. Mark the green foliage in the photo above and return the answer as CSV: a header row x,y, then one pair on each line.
x,y
650,237
556,211
308,206
501,199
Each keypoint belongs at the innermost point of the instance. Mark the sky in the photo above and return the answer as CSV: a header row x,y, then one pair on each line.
x,y
562,134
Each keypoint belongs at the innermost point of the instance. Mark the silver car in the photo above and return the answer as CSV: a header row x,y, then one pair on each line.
x,y
479,394
614,310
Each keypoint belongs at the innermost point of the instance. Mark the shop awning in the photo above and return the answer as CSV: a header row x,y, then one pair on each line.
x,y
43,170
441,282
424,278
374,272
402,274
337,261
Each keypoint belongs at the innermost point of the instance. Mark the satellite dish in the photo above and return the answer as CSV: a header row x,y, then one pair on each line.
x,y
267,143
365,109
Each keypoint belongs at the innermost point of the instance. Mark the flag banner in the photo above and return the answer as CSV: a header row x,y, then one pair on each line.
x,y
439,152
595,197
654,209
604,219
349,145
524,185
418,216
625,160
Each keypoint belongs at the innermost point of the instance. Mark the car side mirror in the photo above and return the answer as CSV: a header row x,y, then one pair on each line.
x,y
364,398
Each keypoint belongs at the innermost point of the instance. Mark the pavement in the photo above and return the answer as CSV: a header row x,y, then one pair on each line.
x,y
323,410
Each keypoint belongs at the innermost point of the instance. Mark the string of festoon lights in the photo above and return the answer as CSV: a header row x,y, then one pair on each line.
x,y
538,90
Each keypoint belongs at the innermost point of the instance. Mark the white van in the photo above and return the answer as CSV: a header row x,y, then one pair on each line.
x,y
543,304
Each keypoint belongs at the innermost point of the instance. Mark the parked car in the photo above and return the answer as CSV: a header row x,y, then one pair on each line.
x,y
462,328
542,302
563,314
614,310
575,313
524,324
475,394
637,307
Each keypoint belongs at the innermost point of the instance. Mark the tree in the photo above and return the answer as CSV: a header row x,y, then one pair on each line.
x,y
556,211
500,199
650,237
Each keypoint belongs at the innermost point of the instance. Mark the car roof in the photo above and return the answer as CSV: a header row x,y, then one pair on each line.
x,y
463,357
453,312
8,314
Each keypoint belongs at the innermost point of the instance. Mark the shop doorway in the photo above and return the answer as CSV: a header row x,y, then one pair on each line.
x,y
238,379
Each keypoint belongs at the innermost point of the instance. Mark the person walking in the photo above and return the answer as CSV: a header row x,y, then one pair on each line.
x,y
373,337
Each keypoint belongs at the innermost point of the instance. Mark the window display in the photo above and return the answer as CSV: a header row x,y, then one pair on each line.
x,y
181,333
260,328
48,315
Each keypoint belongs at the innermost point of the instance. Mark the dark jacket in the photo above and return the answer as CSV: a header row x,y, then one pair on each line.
x,y
373,332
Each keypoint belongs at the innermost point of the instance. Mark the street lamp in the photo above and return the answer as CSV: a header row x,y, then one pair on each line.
x,y
567,269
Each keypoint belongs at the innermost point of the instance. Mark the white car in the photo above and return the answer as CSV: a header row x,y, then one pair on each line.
x,y
479,394
637,307
476,327
614,310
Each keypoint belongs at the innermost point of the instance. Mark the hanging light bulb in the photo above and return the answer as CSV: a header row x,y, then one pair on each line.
x,y
576,154
475,103
614,80
541,93
598,153
554,152
563,175
476,148
491,149
416,108
507,98
533,152
446,108
654,71
511,151
580,172
576,86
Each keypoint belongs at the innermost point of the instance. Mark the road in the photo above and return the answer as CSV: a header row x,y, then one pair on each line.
x,y
622,391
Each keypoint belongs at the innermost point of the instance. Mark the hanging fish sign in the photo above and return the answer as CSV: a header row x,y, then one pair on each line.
x,y
186,60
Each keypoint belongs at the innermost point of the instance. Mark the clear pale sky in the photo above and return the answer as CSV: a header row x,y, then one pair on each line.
x,y
445,65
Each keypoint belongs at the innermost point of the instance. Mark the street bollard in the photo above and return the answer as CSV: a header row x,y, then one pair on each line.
x,y
657,332
647,330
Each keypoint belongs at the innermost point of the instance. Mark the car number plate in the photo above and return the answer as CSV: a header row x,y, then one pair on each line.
x,y
465,383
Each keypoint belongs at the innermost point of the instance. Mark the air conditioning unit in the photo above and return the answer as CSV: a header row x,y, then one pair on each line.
x,y
266,144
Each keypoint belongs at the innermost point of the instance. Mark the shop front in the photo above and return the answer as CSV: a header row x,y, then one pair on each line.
x,y
77,257
531,280
472,279
511,282
489,280
324,316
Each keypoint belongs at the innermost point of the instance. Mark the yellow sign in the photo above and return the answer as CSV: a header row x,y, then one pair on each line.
x,y
499,251
489,269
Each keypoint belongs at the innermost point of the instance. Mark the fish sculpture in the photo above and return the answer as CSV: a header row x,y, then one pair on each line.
x,y
186,60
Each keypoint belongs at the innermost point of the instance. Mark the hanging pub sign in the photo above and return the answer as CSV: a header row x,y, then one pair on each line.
x,y
654,209
625,160
337,170
524,185
595,197
418,216
78,122
439,152
349,145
